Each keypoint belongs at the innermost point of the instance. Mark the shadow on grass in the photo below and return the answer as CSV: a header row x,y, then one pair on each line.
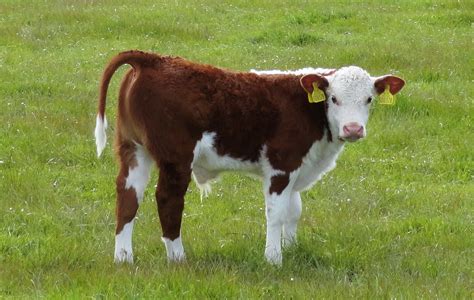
x,y
242,257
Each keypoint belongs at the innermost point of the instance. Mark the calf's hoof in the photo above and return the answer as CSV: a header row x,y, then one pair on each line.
x,y
274,258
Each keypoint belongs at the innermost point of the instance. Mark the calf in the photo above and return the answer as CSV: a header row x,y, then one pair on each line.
x,y
194,119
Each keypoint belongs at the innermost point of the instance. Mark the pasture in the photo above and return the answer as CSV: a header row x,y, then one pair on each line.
x,y
393,220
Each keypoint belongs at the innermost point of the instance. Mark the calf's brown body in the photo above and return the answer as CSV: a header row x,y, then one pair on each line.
x,y
167,103
196,119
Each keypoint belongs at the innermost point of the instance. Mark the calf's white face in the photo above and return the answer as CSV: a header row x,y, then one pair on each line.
x,y
349,93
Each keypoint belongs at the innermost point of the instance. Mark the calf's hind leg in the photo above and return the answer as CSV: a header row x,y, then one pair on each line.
x,y
133,177
172,185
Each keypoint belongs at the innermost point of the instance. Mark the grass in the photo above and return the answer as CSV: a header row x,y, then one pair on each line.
x,y
393,220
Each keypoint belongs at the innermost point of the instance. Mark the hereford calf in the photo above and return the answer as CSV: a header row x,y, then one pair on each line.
x,y
193,119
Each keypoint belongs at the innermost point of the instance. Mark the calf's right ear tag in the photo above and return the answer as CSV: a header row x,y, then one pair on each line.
x,y
386,97
317,95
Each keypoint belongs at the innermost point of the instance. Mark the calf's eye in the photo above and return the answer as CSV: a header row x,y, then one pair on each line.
x,y
333,99
369,100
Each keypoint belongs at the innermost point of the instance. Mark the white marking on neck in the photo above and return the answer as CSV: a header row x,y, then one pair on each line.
x,y
320,159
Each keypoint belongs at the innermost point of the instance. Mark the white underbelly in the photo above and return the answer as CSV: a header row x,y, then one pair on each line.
x,y
207,163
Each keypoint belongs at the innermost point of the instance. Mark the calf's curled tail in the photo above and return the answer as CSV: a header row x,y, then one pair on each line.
x,y
135,59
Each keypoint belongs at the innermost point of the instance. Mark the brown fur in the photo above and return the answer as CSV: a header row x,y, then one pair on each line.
x,y
166,103
279,183
127,202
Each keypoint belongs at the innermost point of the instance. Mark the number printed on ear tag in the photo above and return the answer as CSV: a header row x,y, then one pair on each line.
x,y
386,97
317,95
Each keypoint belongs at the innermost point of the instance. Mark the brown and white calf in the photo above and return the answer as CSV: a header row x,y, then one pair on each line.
x,y
194,119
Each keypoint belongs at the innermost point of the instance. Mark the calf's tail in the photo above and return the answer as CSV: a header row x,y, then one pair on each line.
x,y
133,58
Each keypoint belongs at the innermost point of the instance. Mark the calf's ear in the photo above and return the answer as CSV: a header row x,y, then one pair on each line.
x,y
307,82
394,83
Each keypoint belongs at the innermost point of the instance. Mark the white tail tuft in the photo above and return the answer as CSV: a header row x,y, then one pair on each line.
x,y
100,136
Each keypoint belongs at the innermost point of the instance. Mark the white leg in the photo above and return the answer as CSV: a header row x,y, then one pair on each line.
x,y
123,244
276,208
174,249
291,221
130,190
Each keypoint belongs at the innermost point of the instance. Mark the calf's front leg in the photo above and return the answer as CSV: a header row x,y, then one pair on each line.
x,y
291,221
278,192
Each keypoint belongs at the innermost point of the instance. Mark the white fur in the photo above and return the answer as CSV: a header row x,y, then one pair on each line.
x,y
276,212
205,156
137,179
139,175
123,244
302,71
207,164
174,249
320,159
203,183
351,86
99,133
291,221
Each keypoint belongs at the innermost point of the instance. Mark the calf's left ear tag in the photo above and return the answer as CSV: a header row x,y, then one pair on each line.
x,y
317,95
386,97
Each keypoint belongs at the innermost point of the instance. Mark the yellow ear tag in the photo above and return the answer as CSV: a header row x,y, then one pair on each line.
x,y
317,95
386,97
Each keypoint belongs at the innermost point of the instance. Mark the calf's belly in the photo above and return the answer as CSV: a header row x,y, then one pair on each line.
x,y
207,163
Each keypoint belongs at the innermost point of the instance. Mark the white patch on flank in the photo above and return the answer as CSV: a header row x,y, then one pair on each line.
x,y
303,71
123,244
139,175
99,133
174,249
207,164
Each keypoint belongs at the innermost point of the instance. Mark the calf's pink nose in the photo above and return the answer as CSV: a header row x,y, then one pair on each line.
x,y
353,130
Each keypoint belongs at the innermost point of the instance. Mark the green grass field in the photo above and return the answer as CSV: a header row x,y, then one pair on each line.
x,y
393,220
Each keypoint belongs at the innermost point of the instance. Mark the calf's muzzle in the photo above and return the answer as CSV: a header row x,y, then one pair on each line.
x,y
352,132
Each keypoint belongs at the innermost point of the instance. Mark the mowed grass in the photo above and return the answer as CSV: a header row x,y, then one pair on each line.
x,y
393,220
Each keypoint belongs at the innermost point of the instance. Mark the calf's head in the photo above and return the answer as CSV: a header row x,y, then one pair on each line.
x,y
349,93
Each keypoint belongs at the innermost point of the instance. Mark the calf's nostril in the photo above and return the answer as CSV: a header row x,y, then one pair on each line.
x,y
346,129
